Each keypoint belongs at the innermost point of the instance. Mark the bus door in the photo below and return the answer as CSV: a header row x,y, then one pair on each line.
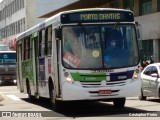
x,y
35,62
20,82
55,60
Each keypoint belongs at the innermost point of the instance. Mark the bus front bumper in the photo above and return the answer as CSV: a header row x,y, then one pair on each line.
x,y
77,92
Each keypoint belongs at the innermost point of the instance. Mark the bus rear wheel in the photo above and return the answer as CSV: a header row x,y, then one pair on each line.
x,y
30,97
119,102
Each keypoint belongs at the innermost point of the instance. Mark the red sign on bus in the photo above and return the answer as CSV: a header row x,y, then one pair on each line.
x,y
71,60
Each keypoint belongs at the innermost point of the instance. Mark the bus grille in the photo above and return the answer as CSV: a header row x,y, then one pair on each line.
x,y
7,71
99,84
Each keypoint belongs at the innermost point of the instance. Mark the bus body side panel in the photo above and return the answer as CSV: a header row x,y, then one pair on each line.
x,y
48,74
20,83
27,73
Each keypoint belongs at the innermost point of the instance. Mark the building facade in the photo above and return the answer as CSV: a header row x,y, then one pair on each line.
x,y
19,15
15,17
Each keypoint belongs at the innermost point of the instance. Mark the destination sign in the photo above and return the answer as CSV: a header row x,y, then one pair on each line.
x,y
107,16
97,16
7,58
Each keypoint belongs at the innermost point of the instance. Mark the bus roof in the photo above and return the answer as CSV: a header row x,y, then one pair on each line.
x,y
56,19
96,9
8,51
3,45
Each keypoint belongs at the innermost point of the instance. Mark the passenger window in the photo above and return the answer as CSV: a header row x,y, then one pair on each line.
x,y
42,43
154,70
49,40
147,71
27,48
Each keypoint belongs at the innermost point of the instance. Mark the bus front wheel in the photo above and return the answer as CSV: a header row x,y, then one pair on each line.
x,y
142,97
54,103
119,102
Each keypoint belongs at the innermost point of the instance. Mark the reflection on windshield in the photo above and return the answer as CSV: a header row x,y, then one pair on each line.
x,y
99,46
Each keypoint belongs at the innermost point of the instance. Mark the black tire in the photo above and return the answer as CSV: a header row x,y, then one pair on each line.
x,y
119,102
142,97
30,97
56,105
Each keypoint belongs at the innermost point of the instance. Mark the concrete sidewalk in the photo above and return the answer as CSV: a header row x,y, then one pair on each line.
x,y
1,97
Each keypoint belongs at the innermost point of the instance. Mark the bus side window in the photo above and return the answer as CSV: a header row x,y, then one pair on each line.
x,y
49,40
42,43
27,48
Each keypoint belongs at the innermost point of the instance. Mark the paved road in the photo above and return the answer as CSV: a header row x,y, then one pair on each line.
x,y
13,100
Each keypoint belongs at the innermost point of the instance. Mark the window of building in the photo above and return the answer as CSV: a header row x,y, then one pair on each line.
x,y
22,3
13,28
42,43
19,26
128,4
114,4
158,5
14,8
0,15
147,50
145,7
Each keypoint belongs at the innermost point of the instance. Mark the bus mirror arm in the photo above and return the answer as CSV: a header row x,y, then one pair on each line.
x,y
136,23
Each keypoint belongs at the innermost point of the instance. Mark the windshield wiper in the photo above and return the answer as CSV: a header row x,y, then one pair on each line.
x,y
110,32
114,27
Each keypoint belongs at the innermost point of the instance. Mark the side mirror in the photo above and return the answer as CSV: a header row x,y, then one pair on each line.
x,y
155,75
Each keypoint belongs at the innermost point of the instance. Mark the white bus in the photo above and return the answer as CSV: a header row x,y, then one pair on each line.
x,y
68,57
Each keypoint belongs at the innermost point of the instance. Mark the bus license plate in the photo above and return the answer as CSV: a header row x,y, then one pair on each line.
x,y
6,77
105,92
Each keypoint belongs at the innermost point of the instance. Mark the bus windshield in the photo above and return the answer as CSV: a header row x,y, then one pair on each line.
x,y
7,58
4,47
99,46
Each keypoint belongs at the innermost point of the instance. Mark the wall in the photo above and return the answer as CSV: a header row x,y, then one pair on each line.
x,y
150,26
36,8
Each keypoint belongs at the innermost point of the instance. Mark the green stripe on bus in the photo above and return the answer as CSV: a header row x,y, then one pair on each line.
x,y
88,77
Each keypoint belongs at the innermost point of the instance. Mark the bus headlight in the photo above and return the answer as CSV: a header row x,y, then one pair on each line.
x,y
15,81
69,80
135,76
